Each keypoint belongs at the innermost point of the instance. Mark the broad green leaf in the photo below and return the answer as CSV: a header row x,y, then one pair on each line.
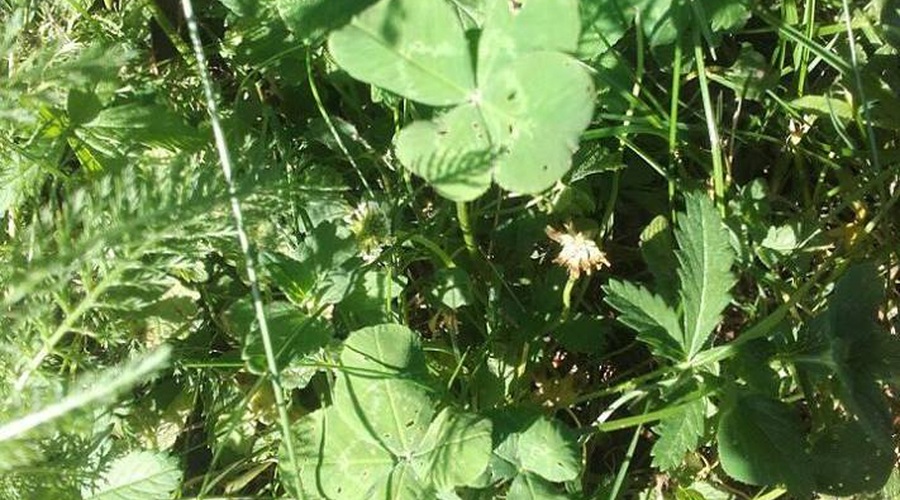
x,y
536,108
312,19
82,106
654,321
455,450
452,288
749,77
751,364
414,48
678,435
548,449
378,432
512,29
585,334
892,488
857,349
139,475
323,269
705,259
761,442
538,445
331,449
847,461
369,302
707,491
529,486
519,123
381,365
452,152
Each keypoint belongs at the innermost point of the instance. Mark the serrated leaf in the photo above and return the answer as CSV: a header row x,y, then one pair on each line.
x,y
139,475
678,435
414,48
705,259
654,321
98,388
760,442
110,130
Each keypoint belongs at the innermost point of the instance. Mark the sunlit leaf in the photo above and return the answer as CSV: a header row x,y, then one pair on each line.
x,y
678,435
705,259
655,321
413,48
379,429
139,475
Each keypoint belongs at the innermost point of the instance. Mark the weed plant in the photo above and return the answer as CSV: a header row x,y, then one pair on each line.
x,y
451,249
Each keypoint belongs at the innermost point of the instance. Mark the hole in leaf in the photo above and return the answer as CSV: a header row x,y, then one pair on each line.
x,y
515,6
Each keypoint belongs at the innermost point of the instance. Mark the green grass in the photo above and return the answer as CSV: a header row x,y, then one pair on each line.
x,y
631,249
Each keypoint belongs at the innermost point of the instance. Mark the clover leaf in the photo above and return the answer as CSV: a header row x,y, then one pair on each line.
x,y
380,438
517,108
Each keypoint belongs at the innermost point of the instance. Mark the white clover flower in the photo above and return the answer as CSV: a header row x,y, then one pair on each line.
x,y
370,227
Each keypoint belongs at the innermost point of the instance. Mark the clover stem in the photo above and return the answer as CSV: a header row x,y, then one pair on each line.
x,y
465,226
567,298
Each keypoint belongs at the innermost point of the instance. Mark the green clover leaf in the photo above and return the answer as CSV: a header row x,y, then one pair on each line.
x,y
516,111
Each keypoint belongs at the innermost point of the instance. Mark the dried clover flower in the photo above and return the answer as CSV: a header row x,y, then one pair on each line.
x,y
579,253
